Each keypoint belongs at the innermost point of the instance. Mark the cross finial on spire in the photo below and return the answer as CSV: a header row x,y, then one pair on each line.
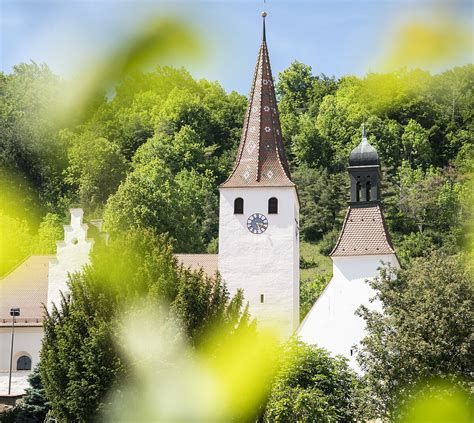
x,y
363,131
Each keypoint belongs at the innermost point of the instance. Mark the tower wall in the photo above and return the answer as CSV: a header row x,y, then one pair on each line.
x,y
331,323
262,264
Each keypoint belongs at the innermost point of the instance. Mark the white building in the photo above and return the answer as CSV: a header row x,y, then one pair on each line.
x,y
363,246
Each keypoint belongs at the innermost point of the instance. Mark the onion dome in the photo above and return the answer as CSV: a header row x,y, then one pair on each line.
x,y
364,154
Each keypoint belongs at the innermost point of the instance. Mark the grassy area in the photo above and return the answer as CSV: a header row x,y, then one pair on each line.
x,y
314,276
320,264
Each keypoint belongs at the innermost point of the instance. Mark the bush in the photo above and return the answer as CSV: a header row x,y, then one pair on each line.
x,y
310,290
329,241
312,387
34,406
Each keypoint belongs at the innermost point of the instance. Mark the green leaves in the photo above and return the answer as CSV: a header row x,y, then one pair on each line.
x,y
311,386
95,169
83,358
152,197
424,333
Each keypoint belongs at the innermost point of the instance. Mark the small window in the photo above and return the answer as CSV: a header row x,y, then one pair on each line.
x,y
368,188
358,191
239,206
262,298
273,206
23,363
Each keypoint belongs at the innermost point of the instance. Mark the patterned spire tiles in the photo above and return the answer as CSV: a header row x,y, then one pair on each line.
x,y
261,159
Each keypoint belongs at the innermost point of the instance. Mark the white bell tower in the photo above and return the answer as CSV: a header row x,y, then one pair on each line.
x,y
259,213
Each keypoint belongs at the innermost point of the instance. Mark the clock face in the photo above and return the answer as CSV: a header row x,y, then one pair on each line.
x,y
257,223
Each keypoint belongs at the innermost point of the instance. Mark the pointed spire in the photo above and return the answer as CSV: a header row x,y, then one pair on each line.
x,y
261,159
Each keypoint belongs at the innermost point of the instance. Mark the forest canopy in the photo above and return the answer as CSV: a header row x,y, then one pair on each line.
x,y
152,154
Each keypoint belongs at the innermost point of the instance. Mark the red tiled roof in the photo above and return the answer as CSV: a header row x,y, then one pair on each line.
x,y
364,232
208,262
261,160
25,287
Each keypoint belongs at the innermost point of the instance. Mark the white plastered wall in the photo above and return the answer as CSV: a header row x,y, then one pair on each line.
x,y
266,263
331,323
72,254
27,341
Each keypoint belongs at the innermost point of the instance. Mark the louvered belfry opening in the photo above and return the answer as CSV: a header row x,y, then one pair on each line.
x,y
261,159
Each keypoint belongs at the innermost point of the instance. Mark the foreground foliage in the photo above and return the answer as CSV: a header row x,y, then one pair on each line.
x,y
80,360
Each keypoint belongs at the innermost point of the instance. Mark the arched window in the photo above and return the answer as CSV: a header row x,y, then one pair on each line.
x,y
273,205
23,363
239,206
368,188
358,191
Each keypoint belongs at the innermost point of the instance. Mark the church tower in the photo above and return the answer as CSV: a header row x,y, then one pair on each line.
x,y
259,213
363,245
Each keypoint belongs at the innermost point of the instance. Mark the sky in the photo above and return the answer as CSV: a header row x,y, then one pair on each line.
x,y
334,37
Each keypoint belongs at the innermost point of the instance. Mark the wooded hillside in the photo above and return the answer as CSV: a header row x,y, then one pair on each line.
x,y
152,153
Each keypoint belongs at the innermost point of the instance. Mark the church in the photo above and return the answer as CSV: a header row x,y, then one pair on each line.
x,y
258,247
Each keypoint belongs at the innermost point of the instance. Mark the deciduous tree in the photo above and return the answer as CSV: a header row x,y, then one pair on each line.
x,y
424,332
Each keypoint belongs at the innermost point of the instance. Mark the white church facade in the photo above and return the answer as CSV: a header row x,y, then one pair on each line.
x,y
258,246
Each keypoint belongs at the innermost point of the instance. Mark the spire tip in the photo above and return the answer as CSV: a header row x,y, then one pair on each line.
x,y
264,36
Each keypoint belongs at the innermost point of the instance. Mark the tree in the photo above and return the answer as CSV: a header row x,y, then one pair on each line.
x,y
310,290
34,407
431,200
311,386
95,169
49,231
16,241
31,94
183,149
81,358
416,144
307,146
339,122
424,331
323,197
293,90
152,197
